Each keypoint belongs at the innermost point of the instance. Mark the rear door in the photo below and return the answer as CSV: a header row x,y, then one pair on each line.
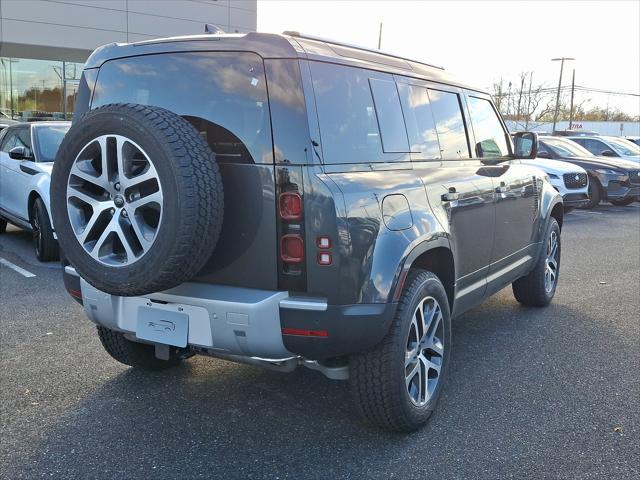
x,y
460,190
224,96
515,190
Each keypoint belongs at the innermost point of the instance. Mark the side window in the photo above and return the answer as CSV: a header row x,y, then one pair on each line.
x,y
449,125
421,127
8,142
347,116
491,138
542,148
595,146
23,138
389,114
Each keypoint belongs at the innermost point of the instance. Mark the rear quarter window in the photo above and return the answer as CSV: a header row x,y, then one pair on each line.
x,y
351,122
223,94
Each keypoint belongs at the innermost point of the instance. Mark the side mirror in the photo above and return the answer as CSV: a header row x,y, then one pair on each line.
x,y
19,153
526,145
608,153
544,154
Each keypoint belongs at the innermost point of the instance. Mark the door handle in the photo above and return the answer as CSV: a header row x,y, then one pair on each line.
x,y
451,195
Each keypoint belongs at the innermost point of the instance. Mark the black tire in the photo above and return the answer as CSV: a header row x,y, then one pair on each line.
x,y
134,354
44,245
531,289
3,226
189,177
595,193
623,203
377,377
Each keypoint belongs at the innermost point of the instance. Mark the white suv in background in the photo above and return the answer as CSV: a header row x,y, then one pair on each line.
x,y
27,152
571,181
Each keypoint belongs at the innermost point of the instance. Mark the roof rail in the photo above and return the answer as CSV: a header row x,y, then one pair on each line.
x,y
293,33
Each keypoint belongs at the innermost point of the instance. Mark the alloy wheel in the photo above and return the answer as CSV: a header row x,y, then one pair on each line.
x,y
114,200
551,262
424,352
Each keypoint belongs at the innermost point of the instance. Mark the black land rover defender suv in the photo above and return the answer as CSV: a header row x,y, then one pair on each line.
x,y
282,200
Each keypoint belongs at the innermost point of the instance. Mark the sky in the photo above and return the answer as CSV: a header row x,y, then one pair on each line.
x,y
483,41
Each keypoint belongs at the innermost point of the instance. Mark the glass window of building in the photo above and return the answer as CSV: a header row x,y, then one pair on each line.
x,y
38,89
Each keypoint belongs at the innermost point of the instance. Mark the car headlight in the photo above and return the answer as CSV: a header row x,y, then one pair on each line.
x,y
608,171
552,175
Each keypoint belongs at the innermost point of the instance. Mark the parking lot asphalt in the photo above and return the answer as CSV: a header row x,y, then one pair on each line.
x,y
532,393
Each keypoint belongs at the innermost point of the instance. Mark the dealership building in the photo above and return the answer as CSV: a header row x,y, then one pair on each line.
x,y
44,43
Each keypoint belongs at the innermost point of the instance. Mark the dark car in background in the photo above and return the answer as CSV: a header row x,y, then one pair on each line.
x,y
605,146
610,179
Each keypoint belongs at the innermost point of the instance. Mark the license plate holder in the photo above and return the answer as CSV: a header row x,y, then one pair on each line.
x,y
162,325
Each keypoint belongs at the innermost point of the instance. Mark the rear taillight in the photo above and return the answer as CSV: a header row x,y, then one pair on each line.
x,y
290,206
291,249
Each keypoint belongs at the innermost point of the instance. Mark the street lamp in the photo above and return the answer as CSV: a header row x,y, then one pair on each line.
x,y
555,115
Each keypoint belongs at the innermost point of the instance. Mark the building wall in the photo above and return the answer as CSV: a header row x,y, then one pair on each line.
x,y
43,43
70,29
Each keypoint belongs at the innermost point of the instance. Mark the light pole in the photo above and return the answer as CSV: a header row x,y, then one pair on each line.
x,y
555,115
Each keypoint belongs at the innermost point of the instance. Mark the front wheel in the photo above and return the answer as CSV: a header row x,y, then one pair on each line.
x,y
594,194
624,202
44,245
539,286
396,385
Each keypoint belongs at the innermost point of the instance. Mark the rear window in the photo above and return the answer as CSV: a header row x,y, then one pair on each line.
x,y
222,93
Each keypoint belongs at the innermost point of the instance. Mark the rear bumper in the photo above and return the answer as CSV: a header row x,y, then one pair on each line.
x,y
242,321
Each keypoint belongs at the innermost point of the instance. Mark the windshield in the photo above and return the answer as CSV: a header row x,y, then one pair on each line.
x,y
623,147
566,148
48,140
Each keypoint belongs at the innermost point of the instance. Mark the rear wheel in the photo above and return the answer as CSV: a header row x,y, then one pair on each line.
x,y
44,245
396,385
594,193
539,286
134,354
623,203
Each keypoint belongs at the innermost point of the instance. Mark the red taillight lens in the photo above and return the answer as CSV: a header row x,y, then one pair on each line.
x,y
302,332
290,206
291,249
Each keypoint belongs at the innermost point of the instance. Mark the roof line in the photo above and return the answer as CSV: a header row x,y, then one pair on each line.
x,y
295,34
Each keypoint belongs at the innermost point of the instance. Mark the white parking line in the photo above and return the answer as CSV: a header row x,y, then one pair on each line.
x,y
21,271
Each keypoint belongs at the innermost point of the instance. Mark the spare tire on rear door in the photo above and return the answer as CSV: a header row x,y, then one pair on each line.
x,y
137,199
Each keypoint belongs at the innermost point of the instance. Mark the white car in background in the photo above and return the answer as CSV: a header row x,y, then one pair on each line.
x,y
571,181
27,152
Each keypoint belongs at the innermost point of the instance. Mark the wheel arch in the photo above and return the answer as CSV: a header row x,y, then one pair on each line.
x,y
435,256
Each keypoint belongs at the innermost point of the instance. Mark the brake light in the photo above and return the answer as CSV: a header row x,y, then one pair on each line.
x,y
290,206
291,248
302,332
